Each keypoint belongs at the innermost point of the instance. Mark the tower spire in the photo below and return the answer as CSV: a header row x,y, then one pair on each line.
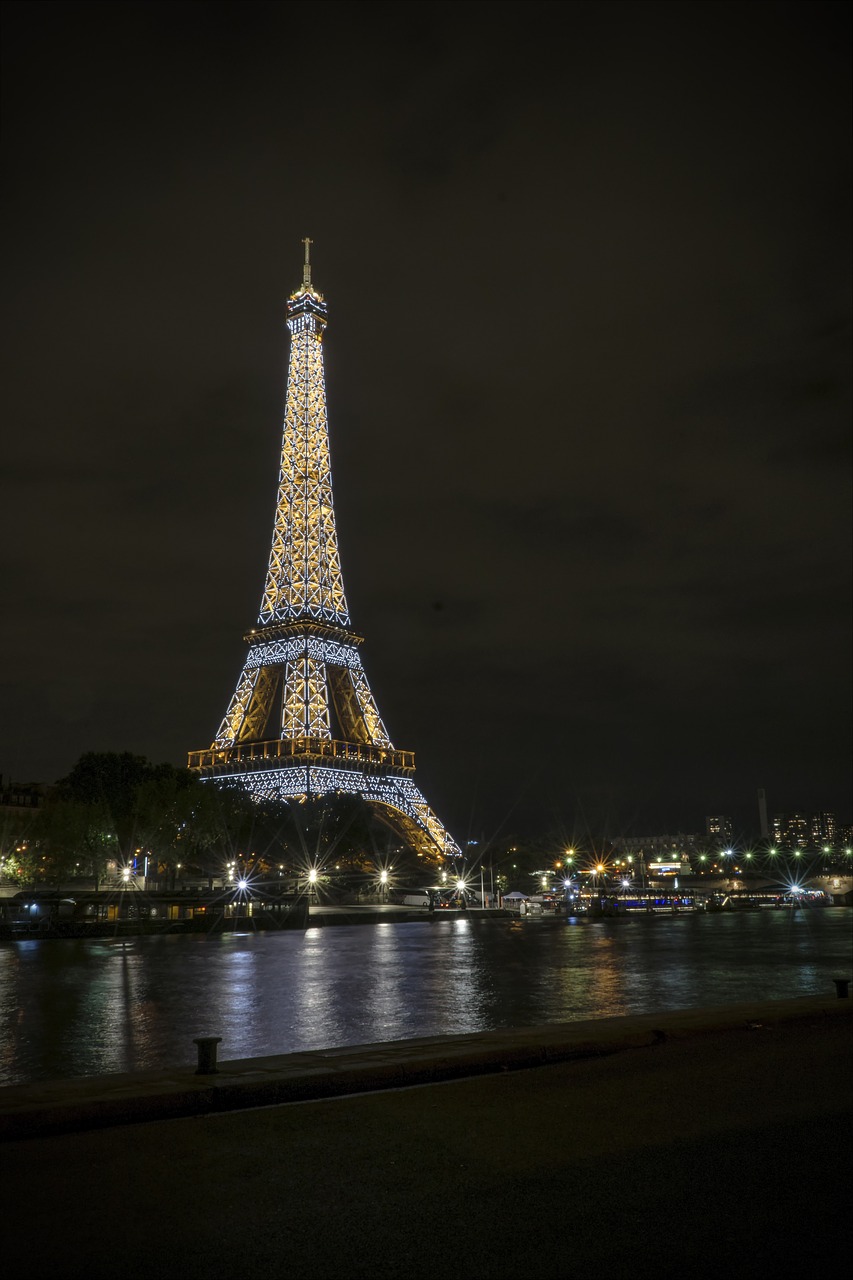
x,y
302,721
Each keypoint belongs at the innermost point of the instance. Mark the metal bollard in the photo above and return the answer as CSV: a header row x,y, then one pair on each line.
x,y
207,1055
842,988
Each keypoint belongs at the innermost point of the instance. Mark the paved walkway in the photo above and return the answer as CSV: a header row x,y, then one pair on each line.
x,y
691,1144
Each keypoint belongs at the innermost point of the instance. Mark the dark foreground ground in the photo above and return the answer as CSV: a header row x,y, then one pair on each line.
x,y
720,1147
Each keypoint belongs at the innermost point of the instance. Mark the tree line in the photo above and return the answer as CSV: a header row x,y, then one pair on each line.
x,y
118,810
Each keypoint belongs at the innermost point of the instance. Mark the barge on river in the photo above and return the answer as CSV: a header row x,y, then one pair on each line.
x,y
57,913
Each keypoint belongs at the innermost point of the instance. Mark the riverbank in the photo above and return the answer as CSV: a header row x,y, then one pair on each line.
x,y
210,1086
208,920
697,1143
42,920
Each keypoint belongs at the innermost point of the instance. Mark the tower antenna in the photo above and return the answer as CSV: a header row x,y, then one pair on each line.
x,y
306,270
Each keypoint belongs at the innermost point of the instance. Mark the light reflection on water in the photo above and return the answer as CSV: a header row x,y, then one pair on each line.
x,y
72,1007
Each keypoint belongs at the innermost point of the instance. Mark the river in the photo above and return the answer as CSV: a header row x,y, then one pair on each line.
x,y
89,1007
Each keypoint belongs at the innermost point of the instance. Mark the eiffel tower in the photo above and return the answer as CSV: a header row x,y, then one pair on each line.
x,y
303,722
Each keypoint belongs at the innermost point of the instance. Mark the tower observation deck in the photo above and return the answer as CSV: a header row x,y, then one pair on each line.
x,y
302,722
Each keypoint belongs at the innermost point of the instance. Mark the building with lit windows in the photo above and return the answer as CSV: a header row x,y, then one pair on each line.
x,y
792,830
824,828
718,828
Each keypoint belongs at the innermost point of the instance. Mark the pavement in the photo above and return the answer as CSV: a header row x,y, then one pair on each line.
x,y
687,1142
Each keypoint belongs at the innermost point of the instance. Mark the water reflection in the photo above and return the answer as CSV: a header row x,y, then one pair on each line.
x,y
73,1007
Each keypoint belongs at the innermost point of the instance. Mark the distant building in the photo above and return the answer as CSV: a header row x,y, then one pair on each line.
x,y
662,854
718,828
18,796
799,830
763,828
793,830
824,828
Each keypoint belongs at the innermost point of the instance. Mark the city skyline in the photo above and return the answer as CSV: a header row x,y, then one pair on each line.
x,y
588,379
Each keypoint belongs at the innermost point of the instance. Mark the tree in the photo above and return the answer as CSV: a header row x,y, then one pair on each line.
x,y
17,838
76,836
111,780
166,803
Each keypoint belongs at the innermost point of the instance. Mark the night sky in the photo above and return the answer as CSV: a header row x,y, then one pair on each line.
x,y
588,277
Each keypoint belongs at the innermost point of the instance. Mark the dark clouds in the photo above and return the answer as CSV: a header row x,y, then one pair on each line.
x,y
588,276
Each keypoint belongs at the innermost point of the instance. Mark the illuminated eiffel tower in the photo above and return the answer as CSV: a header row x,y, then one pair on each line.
x,y
303,722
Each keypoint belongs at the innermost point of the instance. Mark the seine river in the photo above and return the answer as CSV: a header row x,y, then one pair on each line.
x,y
79,1008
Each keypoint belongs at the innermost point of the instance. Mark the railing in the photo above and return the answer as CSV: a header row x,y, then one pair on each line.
x,y
302,751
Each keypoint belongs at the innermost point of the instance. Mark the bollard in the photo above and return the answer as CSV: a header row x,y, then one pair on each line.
x,y
207,1055
842,987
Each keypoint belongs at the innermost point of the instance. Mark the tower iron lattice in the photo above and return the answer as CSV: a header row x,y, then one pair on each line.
x,y
303,671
